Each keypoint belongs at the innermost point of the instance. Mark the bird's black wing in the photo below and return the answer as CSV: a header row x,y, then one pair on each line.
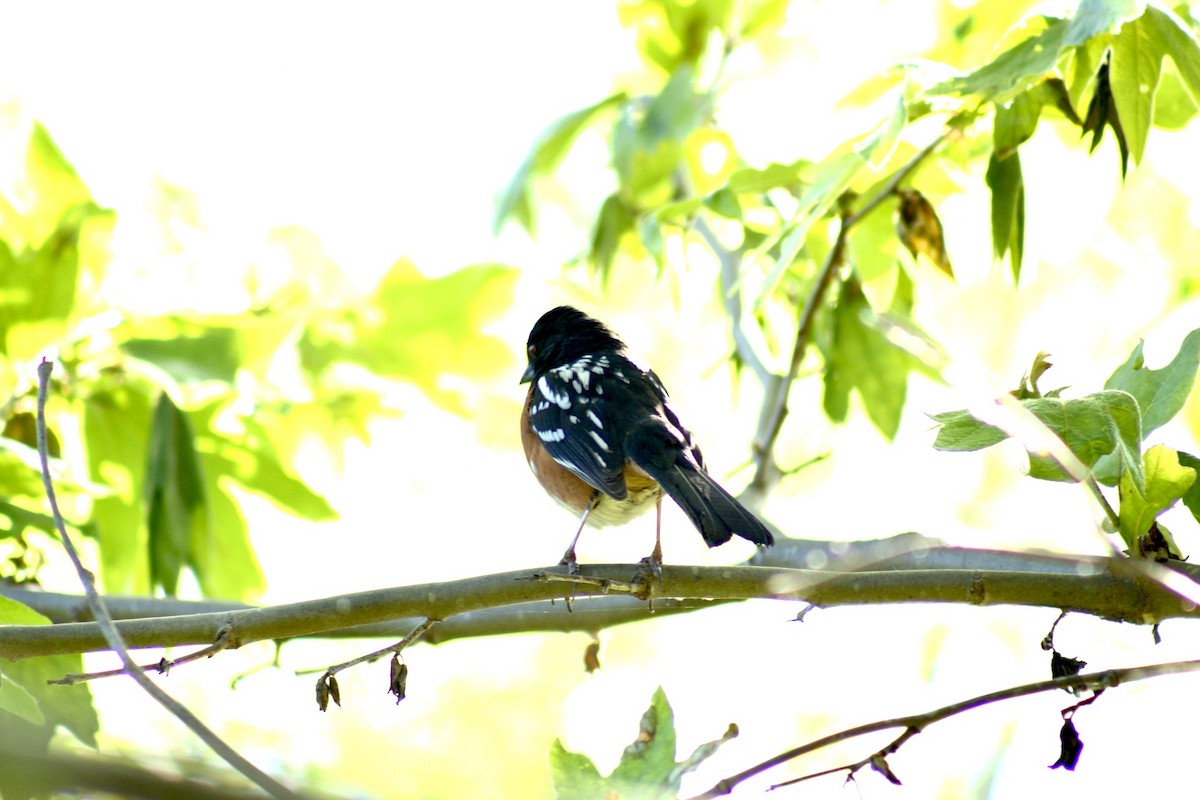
x,y
576,411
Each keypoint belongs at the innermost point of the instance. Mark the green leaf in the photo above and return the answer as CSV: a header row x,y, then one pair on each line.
x,y
873,245
20,470
860,357
1166,481
1160,393
651,236
419,329
649,140
725,203
830,179
647,769
1133,75
1014,70
960,432
646,765
15,613
1007,186
38,288
516,201
14,520
15,700
575,776
30,708
190,353
221,554
760,17
1179,43
676,33
1082,73
612,224
773,176
1173,106
679,210
116,428
1094,17
1191,498
67,706
55,186
176,503
1016,121
250,460
701,754
1092,427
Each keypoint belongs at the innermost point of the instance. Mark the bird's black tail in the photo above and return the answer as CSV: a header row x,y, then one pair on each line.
x,y
712,509
714,512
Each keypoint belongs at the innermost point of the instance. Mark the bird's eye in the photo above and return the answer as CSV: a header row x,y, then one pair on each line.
x,y
531,352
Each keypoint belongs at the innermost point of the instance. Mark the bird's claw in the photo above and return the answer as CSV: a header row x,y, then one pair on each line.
x,y
568,561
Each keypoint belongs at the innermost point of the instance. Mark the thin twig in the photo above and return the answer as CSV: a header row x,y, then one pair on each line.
x,y
765,471
918,722
327,688
225,641
1094,486
412,636
113,636
770,425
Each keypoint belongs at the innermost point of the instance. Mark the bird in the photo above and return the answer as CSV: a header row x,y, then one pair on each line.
x,y
602,439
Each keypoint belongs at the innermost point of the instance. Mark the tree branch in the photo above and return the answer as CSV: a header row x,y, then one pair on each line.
x,y
917,722
1111,588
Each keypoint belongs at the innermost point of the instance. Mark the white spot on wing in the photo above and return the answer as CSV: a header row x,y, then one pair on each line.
x,y
555,435
603,445
595,419
560,399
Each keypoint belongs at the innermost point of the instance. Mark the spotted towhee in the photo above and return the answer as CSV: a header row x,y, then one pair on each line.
x,y
603,440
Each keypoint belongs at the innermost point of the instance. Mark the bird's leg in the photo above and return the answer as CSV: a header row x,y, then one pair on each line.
x,y
656,553
568,559
653,562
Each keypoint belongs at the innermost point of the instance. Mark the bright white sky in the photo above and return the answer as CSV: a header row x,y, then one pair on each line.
x,y
385,128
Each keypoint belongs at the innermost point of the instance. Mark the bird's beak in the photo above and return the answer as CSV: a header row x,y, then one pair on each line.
x,y
527,375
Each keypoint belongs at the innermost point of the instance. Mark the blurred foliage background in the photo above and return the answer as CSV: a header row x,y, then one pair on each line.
x,y
286,258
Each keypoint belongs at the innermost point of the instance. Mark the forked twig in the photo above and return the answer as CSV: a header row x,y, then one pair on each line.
x,y
914,724
770,425
225,641
327,688
113,637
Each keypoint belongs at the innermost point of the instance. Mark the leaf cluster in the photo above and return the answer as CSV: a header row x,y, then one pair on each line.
x,y
1106,432
1121,66
160,420
647,769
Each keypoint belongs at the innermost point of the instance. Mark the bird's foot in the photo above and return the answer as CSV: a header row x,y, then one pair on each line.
x,y
568,561
648,574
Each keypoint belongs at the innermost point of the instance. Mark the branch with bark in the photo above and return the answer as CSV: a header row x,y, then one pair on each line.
x,y
1118,589
913,725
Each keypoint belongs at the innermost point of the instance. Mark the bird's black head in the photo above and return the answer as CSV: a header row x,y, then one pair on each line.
x,y
564,335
